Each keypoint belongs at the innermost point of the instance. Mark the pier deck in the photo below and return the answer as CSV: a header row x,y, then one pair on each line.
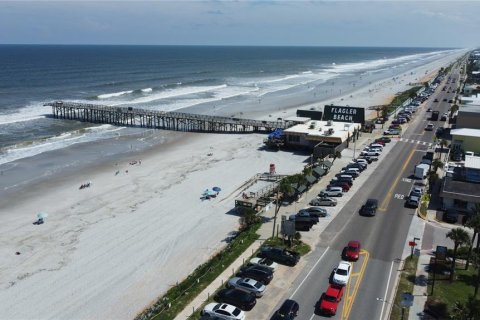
x,y
177,121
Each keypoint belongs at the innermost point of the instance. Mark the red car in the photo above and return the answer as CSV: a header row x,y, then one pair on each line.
x,y
352,251
380,142
329,301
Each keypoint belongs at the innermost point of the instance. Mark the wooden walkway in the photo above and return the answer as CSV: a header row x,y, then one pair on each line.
x,y
177,121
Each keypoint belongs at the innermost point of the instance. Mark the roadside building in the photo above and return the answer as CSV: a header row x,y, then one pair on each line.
x,y
466,139
321,137
468,116
460,189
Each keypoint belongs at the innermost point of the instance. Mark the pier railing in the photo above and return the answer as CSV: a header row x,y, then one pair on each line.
x,y
178,121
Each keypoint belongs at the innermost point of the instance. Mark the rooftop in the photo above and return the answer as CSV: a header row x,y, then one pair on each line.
x,y
467,132
469,108
320,130
298,119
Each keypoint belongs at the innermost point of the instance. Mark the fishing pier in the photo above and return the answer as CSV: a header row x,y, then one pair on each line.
x,y
177,121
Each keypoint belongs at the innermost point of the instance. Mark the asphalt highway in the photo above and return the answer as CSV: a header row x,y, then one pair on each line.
x,y
383,237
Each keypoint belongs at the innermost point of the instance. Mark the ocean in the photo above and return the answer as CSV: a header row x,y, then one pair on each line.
x,y
201,79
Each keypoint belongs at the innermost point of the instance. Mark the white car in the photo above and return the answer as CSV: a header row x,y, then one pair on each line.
x,y
341,274
223,311
247,285
331,193
264,262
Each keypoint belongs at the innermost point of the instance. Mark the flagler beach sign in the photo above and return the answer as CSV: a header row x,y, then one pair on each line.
x,y
344,114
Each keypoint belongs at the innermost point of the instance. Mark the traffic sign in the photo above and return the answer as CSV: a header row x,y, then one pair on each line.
x,y
412,243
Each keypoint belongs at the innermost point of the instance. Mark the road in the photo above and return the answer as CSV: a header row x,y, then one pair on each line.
x,y
383,237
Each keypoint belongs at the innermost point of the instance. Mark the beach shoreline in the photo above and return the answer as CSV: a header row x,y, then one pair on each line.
x,y
110,250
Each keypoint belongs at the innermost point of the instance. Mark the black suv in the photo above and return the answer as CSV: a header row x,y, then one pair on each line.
x,y
238,298
369,208
279,255
259,274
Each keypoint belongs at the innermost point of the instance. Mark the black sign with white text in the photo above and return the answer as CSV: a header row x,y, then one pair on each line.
x,y
344,114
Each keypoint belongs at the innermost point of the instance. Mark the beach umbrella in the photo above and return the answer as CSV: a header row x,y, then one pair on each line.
x,y
217,189
42,215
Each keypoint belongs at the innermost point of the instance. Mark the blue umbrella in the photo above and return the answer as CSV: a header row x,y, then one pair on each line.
x,y
217,189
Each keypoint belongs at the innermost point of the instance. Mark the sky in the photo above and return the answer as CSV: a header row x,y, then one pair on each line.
x,y
269,23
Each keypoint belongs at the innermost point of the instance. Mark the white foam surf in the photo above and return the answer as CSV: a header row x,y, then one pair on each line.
x,y
114,94
31,112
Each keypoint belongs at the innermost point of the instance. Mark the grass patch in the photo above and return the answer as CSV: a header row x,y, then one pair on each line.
x,y
297,245
446,293
402,97
178,297
405,285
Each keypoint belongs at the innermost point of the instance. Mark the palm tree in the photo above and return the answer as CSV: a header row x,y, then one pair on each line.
x,y
436,164
459,237
470,310
474,223
443,144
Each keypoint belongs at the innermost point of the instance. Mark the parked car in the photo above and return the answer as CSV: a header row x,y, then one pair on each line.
x,y
314,211
302,223
345,187
223,311
341,274
369,208
359,166
323,202
391,132
304,218
352,173
368,159
288,311
247,285
238,298
260,274
334,192
279,255
413,201
416,192
362,161
383,139
352,251
329,301
264,262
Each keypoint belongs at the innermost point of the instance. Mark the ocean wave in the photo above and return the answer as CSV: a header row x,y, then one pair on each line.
x,y
31,112
114,94
28,149
147,90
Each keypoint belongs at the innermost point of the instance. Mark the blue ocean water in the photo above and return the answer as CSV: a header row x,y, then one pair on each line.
x,y
165,78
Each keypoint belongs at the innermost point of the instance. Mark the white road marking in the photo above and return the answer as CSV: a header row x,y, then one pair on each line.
x,y
301,283
386,291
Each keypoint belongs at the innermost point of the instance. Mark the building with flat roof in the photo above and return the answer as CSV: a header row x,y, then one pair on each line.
x,y
460,189
466,139
468,116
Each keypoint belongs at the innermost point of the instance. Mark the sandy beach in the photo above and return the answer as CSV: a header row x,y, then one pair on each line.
x,y
109,250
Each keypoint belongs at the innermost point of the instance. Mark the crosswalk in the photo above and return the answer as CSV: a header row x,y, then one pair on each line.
x,y
423,143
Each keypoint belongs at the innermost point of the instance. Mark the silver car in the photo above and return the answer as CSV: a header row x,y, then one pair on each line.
x,y
332,192
323,201
247,285
313,211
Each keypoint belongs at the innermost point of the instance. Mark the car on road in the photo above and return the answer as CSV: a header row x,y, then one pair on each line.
x,y
260,274
314,211
341,274
279,255
323,201
334,192
264,262
369,208
444,99
352,251
450,101
223,311
436,100
288,311
329,301
444,117
247,285
429,127
238,298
